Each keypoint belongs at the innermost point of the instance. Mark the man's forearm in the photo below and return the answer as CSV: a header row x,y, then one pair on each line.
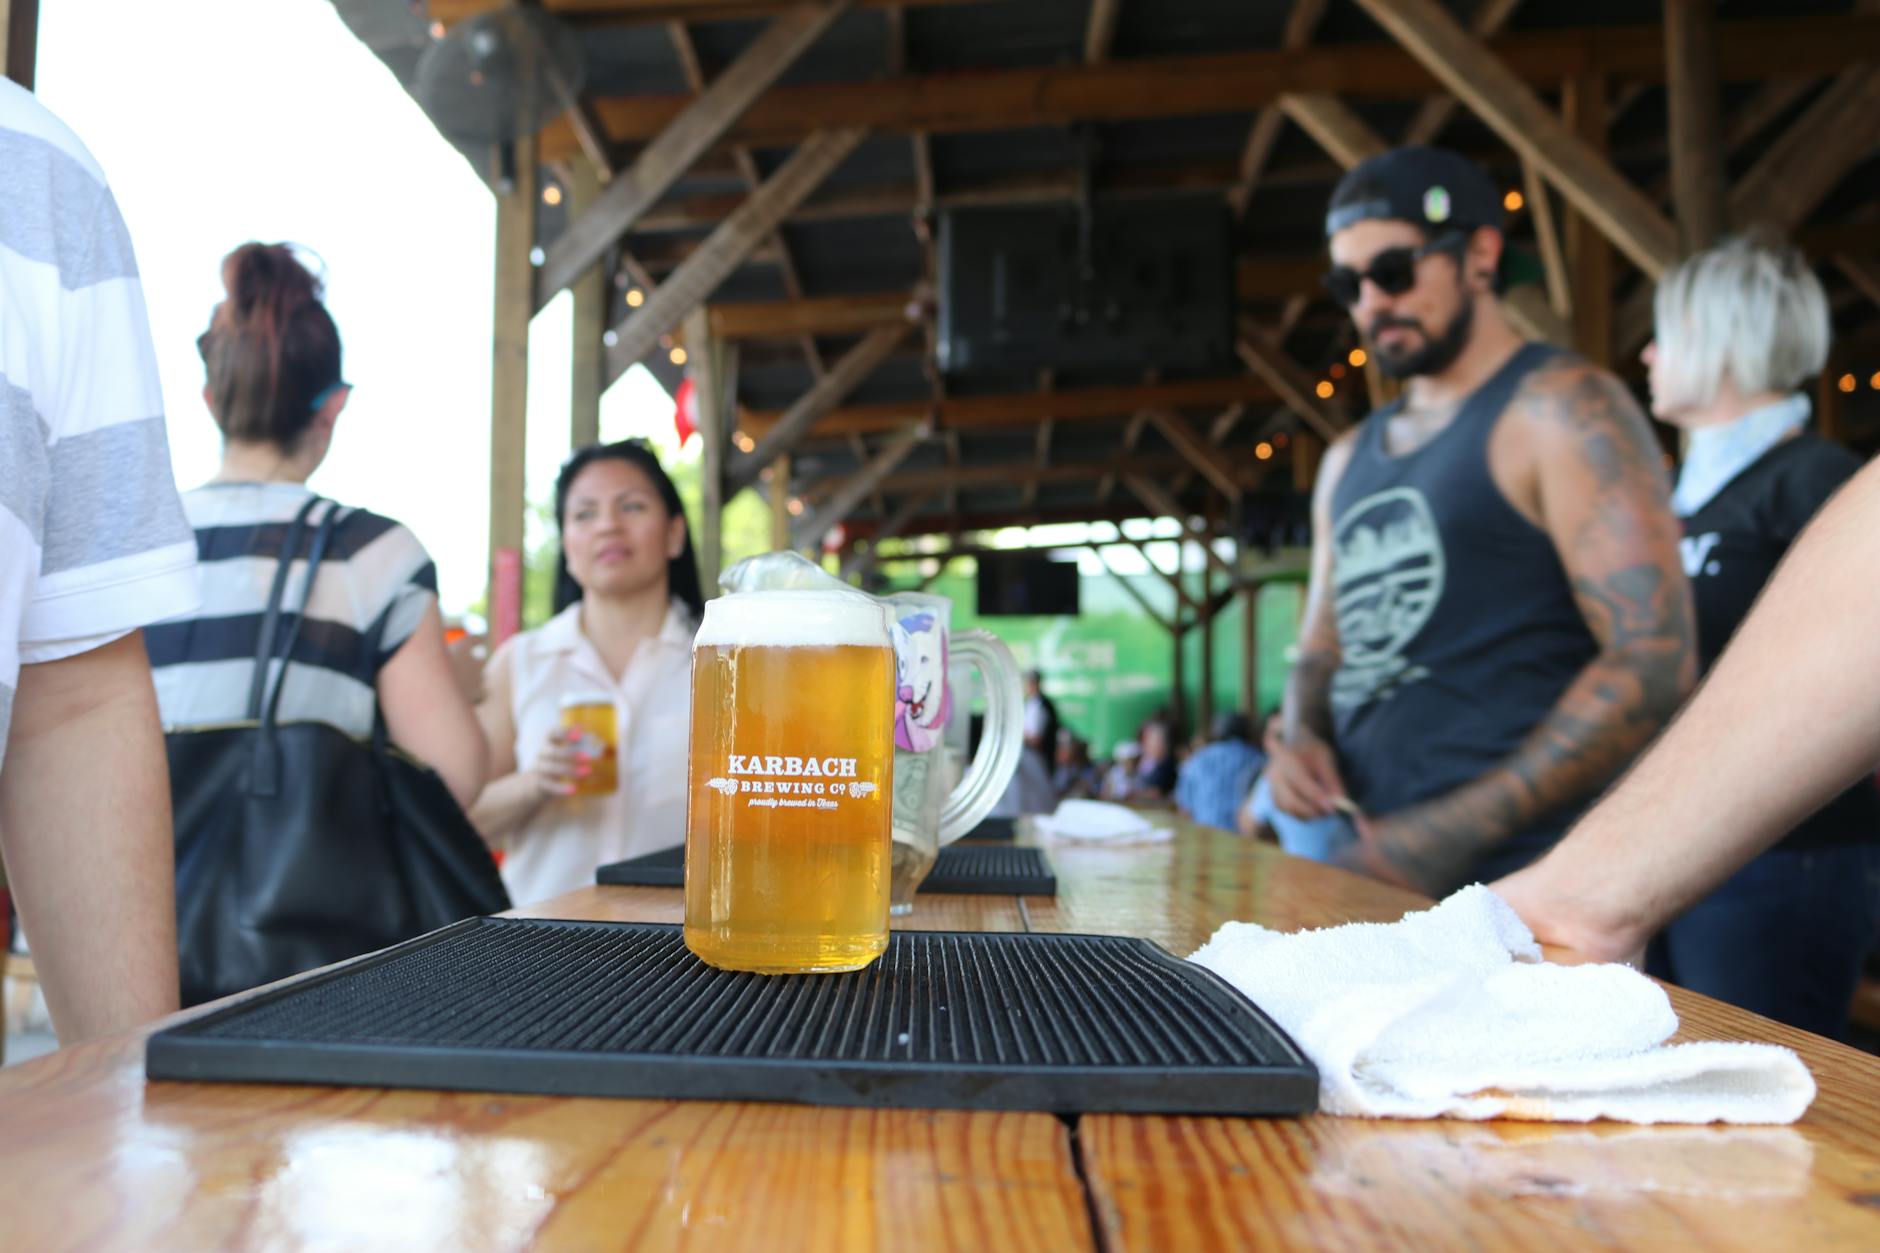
x,y
1789,716
1308,705
1598,725
85,815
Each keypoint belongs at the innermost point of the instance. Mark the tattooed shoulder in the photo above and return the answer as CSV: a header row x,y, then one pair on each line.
x,y
1597,413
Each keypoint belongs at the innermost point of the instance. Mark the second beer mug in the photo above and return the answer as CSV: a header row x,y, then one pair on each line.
x,y
789,796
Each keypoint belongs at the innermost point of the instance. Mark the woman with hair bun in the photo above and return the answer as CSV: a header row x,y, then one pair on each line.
x,y
628,601
274,387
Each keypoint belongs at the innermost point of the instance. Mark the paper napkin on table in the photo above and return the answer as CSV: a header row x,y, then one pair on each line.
x,y
1451,1013
1099,822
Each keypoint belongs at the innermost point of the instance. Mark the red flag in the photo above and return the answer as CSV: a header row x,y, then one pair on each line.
x,y
685,410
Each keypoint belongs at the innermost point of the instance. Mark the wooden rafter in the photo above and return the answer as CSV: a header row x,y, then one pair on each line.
x,y
1026,409
1132,435
961,478
1135,593
1163,502
1695,100
1100,30
1484,82
722,252
695,126
1173,579
829,391
1289,381
1486,22
1540,206
1041,445
864,482
694,69
1188,86
1204,457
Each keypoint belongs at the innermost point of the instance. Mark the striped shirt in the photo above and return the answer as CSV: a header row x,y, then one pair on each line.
x,y
93,543
375,577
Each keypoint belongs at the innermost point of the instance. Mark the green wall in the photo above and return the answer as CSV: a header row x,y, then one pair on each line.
x,y
1110,667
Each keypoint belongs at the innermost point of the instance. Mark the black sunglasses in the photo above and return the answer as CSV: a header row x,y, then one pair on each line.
x,y
1394,270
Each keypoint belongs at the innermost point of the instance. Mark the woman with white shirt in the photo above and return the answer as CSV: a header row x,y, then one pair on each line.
x,y
628,601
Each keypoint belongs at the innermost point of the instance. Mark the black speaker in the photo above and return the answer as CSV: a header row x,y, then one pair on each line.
x,y
1111,288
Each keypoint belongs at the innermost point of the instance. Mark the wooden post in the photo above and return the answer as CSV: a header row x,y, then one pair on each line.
x,y
509,392
1307,449
589,357
1205,709
1250,653
1588,252
19,40
1178,679
705,364
780,503
1696,104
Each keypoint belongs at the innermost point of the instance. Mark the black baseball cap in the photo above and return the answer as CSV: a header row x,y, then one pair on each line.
x,y
1434,188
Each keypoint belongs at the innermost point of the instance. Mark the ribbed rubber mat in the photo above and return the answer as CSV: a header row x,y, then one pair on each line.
x,y
960,868
991,868
943,1020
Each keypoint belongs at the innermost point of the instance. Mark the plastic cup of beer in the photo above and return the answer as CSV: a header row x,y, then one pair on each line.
x,y
592,714
792,766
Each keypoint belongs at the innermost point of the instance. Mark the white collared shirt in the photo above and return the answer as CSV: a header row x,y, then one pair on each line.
x,y
558,850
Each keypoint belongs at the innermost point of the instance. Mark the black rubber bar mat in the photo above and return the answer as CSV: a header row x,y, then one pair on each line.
x,y
960,1020
960,869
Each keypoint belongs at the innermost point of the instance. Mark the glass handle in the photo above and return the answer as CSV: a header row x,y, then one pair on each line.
x,y
1001,741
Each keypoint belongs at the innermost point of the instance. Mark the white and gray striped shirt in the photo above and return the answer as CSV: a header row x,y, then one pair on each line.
x,y
93,543
375,579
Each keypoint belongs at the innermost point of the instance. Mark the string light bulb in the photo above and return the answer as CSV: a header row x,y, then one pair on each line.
x,y
1513,201
1847,383
551,195
635,298
1263,450
1325,389
678,356
1357,358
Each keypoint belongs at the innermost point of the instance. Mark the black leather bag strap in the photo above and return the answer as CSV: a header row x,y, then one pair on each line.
x,y
271,620
264,776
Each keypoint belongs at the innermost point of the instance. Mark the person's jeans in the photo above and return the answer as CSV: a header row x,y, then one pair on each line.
x,y
1784,937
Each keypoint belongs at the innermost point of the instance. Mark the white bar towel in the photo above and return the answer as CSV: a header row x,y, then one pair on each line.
x,y
1451,1013
1099,822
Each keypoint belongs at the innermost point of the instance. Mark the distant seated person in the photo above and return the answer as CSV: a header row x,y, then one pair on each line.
x,y
1317,839
616,659
1119,781
1156,769
1217,777
1075,777
372,641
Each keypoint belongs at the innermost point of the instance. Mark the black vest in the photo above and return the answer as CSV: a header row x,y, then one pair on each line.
x,y
1458,628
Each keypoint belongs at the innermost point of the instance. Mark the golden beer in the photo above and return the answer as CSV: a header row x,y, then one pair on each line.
x,y
593,715
792,762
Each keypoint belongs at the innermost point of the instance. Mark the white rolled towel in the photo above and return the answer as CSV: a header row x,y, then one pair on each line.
x,y
1451,1013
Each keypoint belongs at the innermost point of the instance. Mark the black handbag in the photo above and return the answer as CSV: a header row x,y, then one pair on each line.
x,y
298,845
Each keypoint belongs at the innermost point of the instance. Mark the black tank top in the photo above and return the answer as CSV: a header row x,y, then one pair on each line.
x,y
1457,624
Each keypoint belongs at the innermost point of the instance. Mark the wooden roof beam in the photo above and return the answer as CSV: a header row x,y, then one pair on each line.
x,y
1289,381
1016,475
1190,86
693,128
1160,499
1510,107
828,392
1196,451
1026,409
1486,22
864,482
596,13
727,246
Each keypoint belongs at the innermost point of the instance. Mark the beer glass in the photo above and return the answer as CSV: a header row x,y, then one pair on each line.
x,y
790,782
592,714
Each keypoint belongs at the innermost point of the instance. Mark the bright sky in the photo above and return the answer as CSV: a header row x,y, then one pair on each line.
x,y
222,121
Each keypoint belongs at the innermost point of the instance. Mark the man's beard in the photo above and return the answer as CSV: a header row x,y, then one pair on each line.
x,y
1438,353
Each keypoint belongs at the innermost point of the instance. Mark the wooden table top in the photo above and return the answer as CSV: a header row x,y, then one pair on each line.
x,y
92,1156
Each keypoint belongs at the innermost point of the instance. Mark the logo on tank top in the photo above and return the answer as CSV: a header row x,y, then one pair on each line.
x,y
1387,575
1696,550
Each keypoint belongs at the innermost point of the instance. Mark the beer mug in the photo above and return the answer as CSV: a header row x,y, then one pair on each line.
x,y
790,783
592,714
929,809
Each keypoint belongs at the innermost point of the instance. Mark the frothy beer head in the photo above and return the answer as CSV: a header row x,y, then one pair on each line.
x,y
792,618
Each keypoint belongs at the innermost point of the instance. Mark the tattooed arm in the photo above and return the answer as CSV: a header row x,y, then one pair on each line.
x,y
1302,766
1788,717
1599,491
